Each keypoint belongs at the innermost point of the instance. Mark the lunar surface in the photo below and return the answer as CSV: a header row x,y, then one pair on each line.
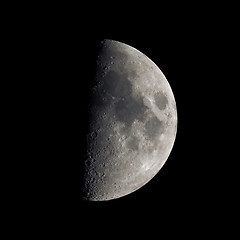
x,y
133,123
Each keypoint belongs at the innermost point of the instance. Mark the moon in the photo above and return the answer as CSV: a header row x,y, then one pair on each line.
x,y
132,123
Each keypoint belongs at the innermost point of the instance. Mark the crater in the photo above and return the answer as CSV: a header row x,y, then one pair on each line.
x,y
154,127
160,100
110,52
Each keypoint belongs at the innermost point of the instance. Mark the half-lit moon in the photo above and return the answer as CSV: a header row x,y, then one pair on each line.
x,y
133,123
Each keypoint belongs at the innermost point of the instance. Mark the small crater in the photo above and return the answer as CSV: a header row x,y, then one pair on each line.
x,y
160,100
88,162
93,134
105,68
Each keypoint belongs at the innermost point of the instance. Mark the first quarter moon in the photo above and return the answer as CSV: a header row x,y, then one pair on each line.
x,y
132,123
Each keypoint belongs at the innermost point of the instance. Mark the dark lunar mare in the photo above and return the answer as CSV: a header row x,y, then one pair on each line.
x,y
160,100
128,109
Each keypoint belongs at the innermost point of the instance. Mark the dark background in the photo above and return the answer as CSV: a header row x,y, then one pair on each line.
x,y
192,45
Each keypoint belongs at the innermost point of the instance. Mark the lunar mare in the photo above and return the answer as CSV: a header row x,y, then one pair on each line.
x,y
133,123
